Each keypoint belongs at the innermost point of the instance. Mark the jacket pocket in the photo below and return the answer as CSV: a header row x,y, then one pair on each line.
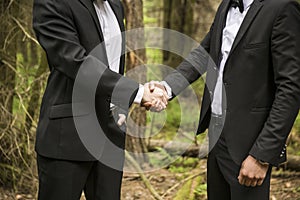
x,y
260,109
255,45
66,110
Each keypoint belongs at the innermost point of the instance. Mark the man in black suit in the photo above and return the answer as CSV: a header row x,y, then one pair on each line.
x,y
71,31
252,93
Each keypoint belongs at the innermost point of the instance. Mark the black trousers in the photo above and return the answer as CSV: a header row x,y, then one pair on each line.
x,y
66,180
223,172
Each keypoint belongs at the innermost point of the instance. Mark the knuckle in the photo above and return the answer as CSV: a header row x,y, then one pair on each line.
x,y
244,173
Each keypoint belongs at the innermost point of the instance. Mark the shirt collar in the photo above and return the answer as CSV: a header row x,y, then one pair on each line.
x,y
247,3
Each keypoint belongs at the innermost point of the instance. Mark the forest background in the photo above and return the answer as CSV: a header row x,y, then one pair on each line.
x,y
23,76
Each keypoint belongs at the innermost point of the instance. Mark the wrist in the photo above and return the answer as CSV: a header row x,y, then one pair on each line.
x,y
263,163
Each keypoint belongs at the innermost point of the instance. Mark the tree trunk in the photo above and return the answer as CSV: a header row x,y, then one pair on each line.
x,y
293,163
8,52
178,16
136,58
186,149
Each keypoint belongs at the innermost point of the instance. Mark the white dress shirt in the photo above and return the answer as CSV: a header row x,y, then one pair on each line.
x,y
112,38
111,33
233,23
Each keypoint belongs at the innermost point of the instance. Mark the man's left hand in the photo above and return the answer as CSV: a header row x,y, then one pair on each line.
x,y
252,172
121,120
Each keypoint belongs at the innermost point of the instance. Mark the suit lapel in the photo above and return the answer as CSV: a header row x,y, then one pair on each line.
x,y
116,7
90,6
220,26
253,10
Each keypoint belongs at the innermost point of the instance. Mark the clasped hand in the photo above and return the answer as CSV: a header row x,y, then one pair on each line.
x,y
155,97
252,172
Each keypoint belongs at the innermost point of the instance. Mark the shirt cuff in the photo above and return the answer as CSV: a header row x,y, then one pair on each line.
x,y
139,95
168,88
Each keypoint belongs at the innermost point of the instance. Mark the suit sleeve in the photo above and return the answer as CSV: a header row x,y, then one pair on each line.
x,y
285,42
194,66
56,32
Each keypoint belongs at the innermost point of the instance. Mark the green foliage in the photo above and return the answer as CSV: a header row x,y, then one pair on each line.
x,y
151,12
153,56
200,191
17,160
184,193
190,190
159,159
183,165
194,187
17,155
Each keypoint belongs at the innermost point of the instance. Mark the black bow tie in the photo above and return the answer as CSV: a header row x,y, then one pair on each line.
x,y
238,3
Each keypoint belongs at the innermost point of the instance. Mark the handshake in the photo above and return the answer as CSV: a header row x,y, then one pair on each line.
x,y
155,97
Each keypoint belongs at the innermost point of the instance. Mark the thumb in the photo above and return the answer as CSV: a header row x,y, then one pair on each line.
x,y
151,87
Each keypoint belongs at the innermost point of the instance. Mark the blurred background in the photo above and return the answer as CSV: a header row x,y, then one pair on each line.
x,y
23,76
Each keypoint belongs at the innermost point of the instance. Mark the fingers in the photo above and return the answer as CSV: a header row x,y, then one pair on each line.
x,y
121,120
252,172
250,182
157,106
253,183
260,182
157,86
148,105
162,95
147,96
153,85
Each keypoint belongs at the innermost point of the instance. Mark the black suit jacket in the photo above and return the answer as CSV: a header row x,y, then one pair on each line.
x,y
261,78
69,30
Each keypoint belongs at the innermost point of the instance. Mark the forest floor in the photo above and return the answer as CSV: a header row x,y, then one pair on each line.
x,y
285,185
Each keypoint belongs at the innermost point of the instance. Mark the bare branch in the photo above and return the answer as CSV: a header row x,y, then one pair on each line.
x,y
143,177
24,31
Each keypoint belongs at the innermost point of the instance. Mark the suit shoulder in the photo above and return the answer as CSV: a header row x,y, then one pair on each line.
x,y
281,6
54,3
278,5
